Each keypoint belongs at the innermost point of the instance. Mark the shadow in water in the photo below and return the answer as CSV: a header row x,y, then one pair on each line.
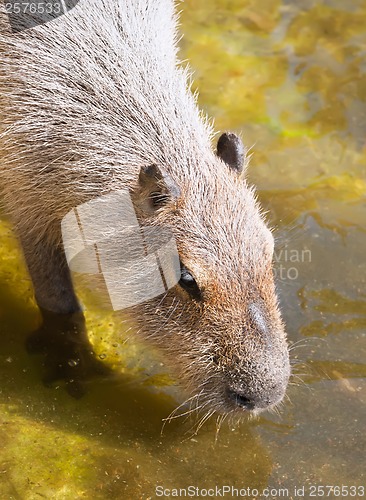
x,y
116,425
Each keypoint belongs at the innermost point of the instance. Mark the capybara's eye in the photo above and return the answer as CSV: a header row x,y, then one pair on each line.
x,y
188,283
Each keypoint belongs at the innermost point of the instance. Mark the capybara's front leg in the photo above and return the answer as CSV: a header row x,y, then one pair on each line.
x,y
62,337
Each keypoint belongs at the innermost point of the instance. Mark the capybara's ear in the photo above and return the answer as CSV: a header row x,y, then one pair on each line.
x,y
156,188
231,150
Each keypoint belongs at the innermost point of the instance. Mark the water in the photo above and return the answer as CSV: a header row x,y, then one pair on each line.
x,y
290,76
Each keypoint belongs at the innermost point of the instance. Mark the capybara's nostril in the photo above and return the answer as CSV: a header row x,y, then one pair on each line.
x,y
241,400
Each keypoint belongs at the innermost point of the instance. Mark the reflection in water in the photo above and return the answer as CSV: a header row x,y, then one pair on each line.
x,y
291,77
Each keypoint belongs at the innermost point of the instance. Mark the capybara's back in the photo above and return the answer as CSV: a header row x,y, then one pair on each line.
x,y
93,102
93,95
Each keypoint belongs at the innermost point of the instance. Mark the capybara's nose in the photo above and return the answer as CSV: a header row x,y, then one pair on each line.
x,y
256,401
241,400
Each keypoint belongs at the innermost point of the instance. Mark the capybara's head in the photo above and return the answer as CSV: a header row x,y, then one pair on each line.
x,y
220,326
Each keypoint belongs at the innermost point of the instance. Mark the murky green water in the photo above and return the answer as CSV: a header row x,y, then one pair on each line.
x,y
291,76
